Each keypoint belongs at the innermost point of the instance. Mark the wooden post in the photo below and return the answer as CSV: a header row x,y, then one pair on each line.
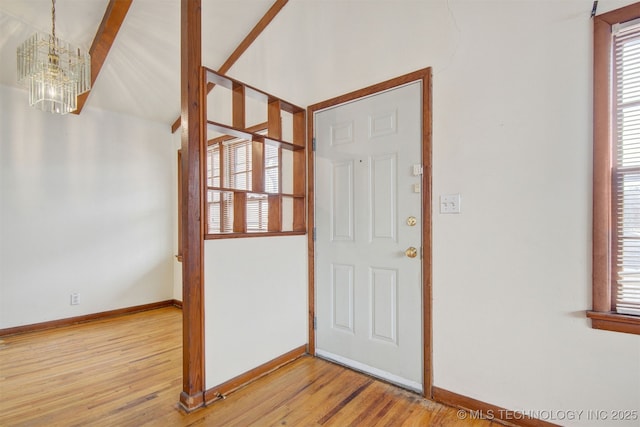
x,y
274,119
192,396
237,102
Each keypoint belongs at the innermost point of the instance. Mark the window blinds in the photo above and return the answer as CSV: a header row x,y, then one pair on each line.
x,y
234,168
257,212
271,169
237,160
626,166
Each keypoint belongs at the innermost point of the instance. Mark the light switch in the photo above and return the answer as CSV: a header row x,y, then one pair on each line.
x,y
450,203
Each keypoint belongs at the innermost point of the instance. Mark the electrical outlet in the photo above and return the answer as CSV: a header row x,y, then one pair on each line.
x,y
75,298
450,203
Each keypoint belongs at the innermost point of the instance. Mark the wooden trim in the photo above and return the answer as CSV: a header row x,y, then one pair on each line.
x,y
179,174
388,84
102,42
274,119
193,153
217,78
176,125
251,129
427,124
603,230
486,411
299,215
621,15
246,135
219,391
176,303
275,213
299,170
614,322
235,190
240,212
423,75
311,258
59,323
255,234
238,109
299,128
257,167
244,44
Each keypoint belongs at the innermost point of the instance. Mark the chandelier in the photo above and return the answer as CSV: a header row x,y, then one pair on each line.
x,y
53,71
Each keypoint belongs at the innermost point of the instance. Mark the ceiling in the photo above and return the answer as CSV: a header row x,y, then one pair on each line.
x,y
141,75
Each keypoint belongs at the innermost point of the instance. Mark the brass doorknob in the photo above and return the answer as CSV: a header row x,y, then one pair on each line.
x,y
411,252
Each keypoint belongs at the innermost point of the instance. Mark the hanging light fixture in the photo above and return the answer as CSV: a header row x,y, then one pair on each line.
x,y
53,71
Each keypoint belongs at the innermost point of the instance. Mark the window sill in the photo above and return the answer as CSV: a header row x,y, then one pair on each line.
x,y
610,321
257,234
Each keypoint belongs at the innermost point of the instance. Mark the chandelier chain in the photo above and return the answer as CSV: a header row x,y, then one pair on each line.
x,y
53,18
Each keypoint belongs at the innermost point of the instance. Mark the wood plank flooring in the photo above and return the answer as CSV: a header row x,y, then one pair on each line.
x,y
126,371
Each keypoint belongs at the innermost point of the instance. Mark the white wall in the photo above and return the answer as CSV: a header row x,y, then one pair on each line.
x,y
512,134
256,302
85,206
177,265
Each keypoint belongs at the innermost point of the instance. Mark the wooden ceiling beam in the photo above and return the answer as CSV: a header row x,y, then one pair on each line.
x,y
244,45
102,42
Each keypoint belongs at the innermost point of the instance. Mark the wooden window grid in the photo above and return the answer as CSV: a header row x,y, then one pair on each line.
x,y
256,178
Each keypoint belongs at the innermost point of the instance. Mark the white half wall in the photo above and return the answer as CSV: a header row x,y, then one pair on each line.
x,y
255,302
512,122
85,207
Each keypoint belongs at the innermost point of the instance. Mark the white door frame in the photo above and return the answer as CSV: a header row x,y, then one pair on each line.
x,y
424,76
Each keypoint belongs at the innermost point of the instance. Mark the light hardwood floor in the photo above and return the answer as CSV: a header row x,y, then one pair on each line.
x,y
126,371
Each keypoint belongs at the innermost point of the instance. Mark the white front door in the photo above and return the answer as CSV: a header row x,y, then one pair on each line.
x,y
368,291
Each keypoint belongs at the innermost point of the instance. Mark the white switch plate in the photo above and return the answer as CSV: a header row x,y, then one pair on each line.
x,y
450,203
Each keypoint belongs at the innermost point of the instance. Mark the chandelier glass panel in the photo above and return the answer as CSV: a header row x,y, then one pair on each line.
x,y
54,71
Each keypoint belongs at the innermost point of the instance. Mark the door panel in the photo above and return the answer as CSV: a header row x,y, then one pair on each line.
x,y
342,201
343,298
382,193
368,293
384,305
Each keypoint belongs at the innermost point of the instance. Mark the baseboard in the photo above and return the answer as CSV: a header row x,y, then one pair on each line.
x,y
88,317
481,410
241,380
